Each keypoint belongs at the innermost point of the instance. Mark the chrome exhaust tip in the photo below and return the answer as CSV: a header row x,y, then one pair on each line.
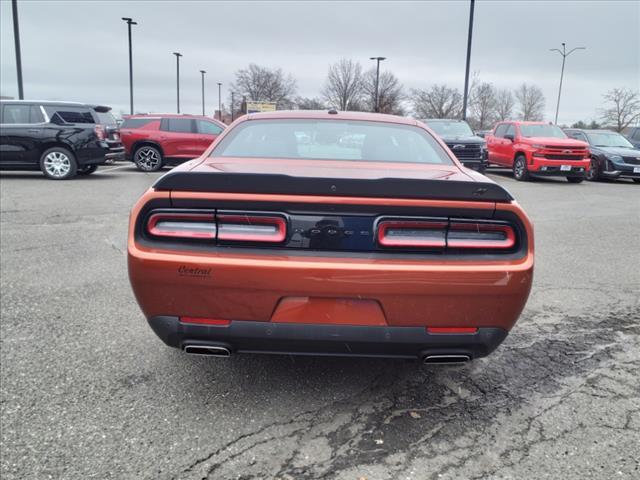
x,y
207,350
446,359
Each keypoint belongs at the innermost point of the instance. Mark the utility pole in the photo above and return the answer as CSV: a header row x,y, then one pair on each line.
x,y
129,23
466,73
220,100
178,55
202,72
16,41
378,60
564,54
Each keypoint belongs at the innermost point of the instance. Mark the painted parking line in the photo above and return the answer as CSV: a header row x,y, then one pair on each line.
x,y
105,170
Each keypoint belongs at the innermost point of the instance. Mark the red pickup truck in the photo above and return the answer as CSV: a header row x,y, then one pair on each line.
x,y
537,148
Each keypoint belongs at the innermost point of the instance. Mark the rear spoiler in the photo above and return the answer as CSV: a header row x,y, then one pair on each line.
x,y
289,185
101,108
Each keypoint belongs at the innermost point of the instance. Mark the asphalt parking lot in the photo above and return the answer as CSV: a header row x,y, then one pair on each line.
x,y
88,391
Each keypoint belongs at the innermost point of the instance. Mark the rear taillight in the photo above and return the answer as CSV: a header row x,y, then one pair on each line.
x,y
100,133
183,225
227,228
480,235
251,228
412,233
441,233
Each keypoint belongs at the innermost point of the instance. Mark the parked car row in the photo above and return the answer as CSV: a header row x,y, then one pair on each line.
x,y
538,148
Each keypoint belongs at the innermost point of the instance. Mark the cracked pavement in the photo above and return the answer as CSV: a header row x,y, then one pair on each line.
x,y
88,391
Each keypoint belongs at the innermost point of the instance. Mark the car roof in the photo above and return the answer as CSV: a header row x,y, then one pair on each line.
x,y
590,130
442,120
101,108
325,115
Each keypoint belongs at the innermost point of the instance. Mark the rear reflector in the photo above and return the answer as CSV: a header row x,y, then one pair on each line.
x,y
182,225
251,228
206,321
480,235
438,330
412,233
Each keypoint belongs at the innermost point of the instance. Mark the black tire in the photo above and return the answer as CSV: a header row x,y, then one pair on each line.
x,y
148,158
58,163
593,175
636,180
575,179
520,171
88,170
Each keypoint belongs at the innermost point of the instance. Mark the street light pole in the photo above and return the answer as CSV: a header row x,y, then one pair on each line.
x,y
466,73
129,23
16,41
178,55
376,107
202,72
233,102
220,100
564,54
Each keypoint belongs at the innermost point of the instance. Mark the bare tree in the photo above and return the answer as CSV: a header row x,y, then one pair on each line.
x,y
504,105
482,104
622,108
305,103
390,93
439,101
344,85
530,101
263,84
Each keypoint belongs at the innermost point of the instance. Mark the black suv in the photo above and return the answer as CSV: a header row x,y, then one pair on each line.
x,y
612,155
470,149
60,138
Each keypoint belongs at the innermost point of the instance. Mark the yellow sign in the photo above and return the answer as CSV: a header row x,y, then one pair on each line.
x,y
256,107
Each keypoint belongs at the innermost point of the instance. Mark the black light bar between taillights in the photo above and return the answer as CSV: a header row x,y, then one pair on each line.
x,y
438,234
224,227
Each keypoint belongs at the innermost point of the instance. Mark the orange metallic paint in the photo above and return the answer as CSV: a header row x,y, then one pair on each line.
x,y
246,286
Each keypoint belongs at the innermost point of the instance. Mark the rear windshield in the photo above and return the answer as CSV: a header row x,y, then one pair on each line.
x,y
331,140
137,122
106,118
451,129
542,131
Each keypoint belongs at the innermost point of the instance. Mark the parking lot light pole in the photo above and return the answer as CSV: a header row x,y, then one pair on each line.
x,y
202,72
564,54
178,55
129,23
375,101
220,100
16,40
466,72
233,103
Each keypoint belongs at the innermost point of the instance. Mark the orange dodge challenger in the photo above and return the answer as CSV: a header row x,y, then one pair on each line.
x,y
330,233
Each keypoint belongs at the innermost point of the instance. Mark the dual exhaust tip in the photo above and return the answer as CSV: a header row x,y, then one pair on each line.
x,y
446,359
224,352
207,350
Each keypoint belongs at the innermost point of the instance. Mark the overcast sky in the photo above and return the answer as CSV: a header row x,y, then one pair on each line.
x,y
77,50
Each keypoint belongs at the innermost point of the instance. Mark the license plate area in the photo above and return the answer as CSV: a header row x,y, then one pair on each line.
x,y
565,168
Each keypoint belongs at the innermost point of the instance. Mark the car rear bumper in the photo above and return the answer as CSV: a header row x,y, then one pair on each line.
x,y
328,340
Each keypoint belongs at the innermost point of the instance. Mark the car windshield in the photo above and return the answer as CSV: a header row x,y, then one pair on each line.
x,y
331,140
542,131
451,129
606,139
106,118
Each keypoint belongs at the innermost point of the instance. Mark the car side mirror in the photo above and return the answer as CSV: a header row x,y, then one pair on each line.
x,y
509,137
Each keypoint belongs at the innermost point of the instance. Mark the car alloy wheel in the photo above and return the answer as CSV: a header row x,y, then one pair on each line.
x,y
592,174
520,168
57,164
148,159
